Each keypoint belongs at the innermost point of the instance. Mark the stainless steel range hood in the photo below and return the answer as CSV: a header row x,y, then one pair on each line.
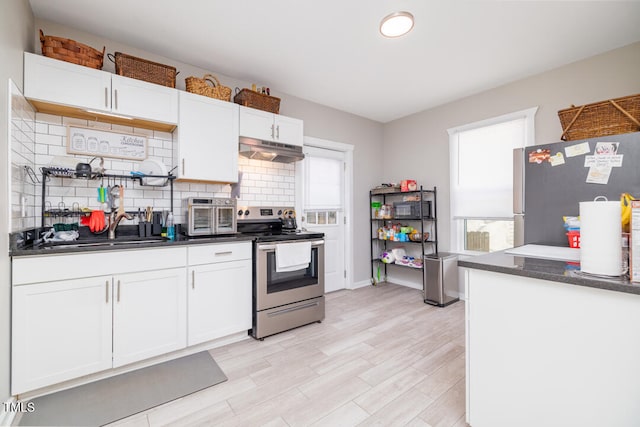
x,y
270,151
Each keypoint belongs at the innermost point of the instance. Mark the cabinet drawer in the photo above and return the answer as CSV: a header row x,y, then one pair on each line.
x,y
222,252
47,268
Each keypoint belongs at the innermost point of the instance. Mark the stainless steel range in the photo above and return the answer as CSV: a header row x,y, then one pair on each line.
x,y
288,270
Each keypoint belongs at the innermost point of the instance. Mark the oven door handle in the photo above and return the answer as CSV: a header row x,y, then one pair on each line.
x,y
272,247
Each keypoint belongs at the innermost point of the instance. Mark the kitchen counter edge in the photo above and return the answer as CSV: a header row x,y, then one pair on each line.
x,y
39,250
546,269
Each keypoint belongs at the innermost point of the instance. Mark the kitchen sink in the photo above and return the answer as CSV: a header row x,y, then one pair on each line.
x,y
99,243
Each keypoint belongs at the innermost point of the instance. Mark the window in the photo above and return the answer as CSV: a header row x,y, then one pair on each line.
x,y
481,164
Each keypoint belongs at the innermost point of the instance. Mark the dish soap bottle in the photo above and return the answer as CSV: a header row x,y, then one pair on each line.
x,y
171,235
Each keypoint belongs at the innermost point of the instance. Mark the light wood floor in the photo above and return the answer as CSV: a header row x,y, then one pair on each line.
x,y
381,357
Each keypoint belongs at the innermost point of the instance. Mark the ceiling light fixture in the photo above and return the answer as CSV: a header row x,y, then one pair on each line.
x,y
397,24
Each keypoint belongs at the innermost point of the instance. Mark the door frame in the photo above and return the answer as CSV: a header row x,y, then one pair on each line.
x,y
347,150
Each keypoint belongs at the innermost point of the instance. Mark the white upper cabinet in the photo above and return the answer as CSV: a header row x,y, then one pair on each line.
x,y
136,98
207,139
270,127
52,81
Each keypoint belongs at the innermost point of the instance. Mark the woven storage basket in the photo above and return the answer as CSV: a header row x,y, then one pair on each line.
x,y
253,99
71,51
611,117
143,69
201,86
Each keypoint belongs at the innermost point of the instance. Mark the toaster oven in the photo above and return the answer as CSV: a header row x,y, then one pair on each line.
x,y
412,209
210,216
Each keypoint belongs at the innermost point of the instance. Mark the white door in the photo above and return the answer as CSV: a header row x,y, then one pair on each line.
x,y
323,208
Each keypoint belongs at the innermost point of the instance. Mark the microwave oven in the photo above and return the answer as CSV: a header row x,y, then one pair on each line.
x,y
412,209
209,216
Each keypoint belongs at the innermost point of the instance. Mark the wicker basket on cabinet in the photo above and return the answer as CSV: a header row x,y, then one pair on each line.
x,y
143,69
611,117
208,85
71,51
253,99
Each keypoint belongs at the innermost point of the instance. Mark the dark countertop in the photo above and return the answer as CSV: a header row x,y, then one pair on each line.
x,y
546,269
120,243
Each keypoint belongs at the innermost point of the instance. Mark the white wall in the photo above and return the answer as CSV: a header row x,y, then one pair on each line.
x,y
425,142
16,36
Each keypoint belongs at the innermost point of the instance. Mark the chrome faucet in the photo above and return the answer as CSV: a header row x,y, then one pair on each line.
x,y
114,220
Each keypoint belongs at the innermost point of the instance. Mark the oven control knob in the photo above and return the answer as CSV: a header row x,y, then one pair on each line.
x,y
280,212
246,213
240,212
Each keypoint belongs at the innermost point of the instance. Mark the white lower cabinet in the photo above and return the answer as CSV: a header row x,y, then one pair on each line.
x,y
149,314
61,330
79,314
219,290
219,300
66,324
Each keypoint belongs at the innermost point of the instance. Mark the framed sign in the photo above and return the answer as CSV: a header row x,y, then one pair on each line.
x,y
105,143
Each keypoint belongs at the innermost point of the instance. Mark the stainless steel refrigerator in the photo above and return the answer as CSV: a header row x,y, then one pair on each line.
x,y
544,193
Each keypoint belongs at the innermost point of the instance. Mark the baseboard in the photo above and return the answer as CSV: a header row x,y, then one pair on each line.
x,y
361,284
7,417
407,283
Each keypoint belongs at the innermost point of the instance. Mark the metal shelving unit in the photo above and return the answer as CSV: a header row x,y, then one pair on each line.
x,y
424,222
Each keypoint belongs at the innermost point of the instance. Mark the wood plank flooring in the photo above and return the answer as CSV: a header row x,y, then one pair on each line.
x,y
381,357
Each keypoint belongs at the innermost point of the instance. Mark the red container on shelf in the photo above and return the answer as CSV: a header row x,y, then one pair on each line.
x,y
574,239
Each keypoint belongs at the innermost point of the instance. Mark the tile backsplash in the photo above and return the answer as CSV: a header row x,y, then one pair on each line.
x,y
23,179
262,183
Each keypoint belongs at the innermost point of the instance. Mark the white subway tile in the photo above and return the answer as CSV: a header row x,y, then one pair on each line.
x,y
57,130
57,150
162,135
267,191
48,118
73,121
48,139
266,177
141,131
122,128
42,127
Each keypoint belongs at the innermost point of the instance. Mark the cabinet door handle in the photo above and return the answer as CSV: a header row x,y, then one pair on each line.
x,y
272,131
106,288
106,97
118,298
116,98
193,279
182,166
278,131
223,253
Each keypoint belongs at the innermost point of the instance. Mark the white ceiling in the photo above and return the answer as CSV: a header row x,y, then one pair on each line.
x,y
331,52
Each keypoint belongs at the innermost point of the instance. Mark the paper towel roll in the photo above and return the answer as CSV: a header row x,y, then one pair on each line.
x,y
600,238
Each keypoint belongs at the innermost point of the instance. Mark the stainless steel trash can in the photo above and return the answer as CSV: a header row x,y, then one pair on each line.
x,y
441,279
